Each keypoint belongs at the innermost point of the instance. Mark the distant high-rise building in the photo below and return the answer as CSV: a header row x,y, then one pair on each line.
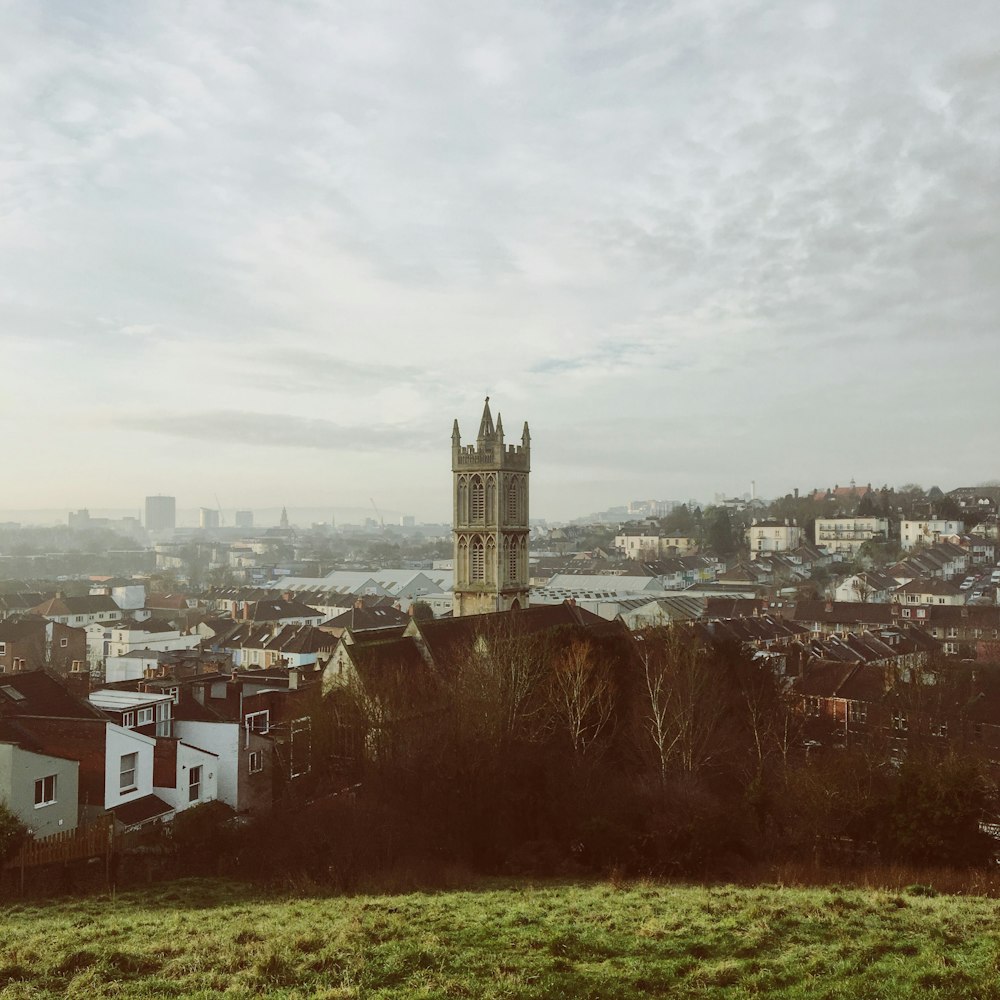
x,y
244,519
79,520
407,521
161,513
208,517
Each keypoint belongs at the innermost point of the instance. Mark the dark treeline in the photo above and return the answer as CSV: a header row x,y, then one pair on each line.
x,y
565,753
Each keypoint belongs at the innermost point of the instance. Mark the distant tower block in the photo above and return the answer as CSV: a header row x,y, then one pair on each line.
x,y
490,519
161,513
244,519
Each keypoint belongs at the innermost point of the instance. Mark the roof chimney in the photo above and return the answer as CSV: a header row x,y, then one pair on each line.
x,y
293,679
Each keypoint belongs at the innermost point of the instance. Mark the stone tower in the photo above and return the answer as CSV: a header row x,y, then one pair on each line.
x,y
490,519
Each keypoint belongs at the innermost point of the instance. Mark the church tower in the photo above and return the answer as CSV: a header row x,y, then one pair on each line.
x,y
490,519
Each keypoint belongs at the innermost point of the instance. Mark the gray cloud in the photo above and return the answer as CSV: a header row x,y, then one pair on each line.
x,y
277,430
670,217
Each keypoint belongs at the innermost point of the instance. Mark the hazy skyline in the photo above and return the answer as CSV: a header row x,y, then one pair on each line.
x,y
270,251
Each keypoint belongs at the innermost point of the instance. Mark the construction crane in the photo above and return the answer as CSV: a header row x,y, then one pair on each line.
x,y
378,513
218,507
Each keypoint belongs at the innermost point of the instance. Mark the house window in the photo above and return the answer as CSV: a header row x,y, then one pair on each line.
x,y
63,643
939,729
906,612
194,784
127,770
921,612
3,649
45,791
859,712
145,716
128,720
814,706
256,762
258,722
163,718
900,723
174,693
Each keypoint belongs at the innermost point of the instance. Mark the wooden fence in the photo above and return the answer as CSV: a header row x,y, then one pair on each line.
x,y
97,840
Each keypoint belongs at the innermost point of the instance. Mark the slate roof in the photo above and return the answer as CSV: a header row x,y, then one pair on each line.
x,y
277,610
358,619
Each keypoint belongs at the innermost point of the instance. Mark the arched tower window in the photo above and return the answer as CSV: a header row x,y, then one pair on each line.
x,y
512,502
463,500
491,559
512,562
477,561
491,499
478,496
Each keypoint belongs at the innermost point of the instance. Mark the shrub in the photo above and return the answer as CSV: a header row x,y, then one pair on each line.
x,y
13,832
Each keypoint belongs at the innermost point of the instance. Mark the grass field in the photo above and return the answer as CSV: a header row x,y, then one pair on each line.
x,y
216,939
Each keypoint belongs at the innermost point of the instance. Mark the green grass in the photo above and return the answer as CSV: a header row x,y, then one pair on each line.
x,y
216,939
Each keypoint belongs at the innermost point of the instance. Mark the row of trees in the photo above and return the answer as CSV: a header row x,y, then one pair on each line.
x,y
658,754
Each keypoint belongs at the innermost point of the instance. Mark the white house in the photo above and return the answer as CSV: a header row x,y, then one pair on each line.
x,y
847,534
243,760
765,537
928,532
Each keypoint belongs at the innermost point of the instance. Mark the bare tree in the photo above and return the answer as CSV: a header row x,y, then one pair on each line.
x,y
681,708
582,696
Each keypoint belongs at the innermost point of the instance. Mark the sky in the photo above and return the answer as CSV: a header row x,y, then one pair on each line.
x,y
268,251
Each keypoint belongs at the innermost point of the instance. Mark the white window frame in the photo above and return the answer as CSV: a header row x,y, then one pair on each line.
x,y
128,766
256,761
63,643
3,649
144,716
128,720
45,791
194,783
251,723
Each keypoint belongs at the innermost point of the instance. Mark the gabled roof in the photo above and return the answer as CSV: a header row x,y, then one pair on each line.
x,y
22,628
38,693
58,607
923,585
448,638
276,610
358,619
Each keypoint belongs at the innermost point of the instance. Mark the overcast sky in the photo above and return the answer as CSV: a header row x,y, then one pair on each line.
x,y
270,250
